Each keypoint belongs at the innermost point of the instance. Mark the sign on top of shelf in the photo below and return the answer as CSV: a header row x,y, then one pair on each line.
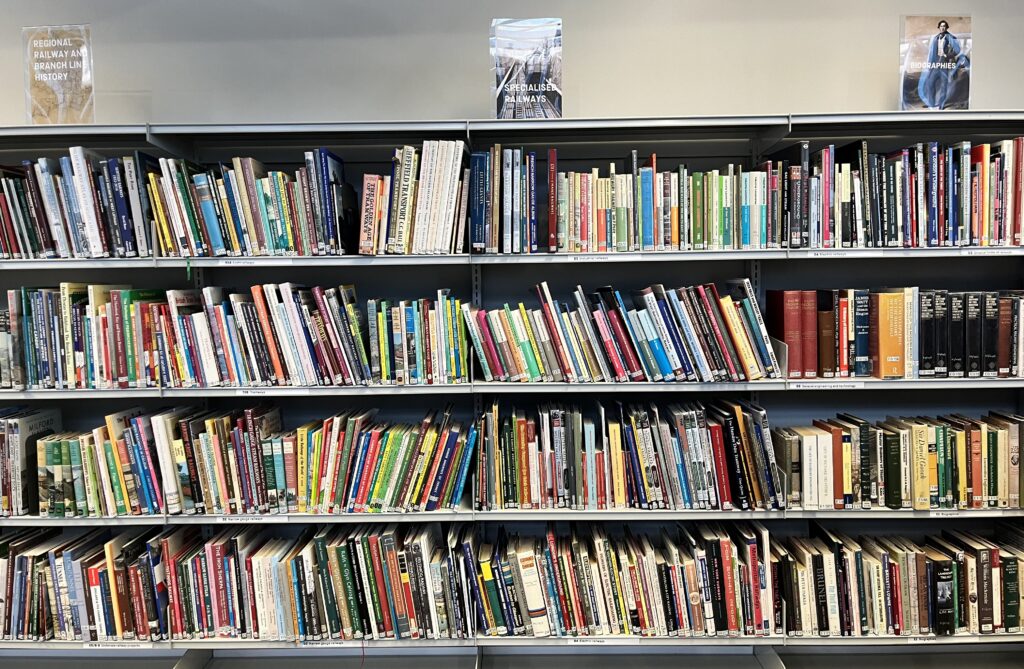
x,y
526,56
935,62
58,74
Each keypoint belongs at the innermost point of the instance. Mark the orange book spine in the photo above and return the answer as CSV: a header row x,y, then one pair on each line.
x,y
259,300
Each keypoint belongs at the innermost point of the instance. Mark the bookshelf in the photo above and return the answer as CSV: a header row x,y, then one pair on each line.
x,y
484,278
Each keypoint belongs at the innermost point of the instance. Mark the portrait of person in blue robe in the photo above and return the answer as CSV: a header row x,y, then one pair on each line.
x,y
945,59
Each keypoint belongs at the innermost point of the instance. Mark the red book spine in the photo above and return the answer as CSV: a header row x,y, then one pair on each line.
x,y
332,334
609,346
979,493
259,301
784,319
721,468
173,593
490,350
555,332
414,629
897,598
557,576
641,612
826,189
754,565
703,294
625,345
1018,190
730,587
584,205
139,618
9,238
809,330
254,622
93,574
523,455
368,464
220,592
428,480
843,336
552,200
392,573
943,233
378,576
602,491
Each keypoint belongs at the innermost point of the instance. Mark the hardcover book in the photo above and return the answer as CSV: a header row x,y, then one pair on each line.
x,y
935,62
527,57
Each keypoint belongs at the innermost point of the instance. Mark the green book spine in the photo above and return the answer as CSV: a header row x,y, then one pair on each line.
x,y
940,464
346,453
264,206
267,446
78,477
115,478
375,597
52,477
697,209
63,479
449,487
330,599
348,582
524,346
993,468
408,458
382,471
492,597
190,212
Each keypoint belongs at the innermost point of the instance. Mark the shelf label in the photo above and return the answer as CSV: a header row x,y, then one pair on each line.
x,y
253,392
589,257
845,253
141,645
987,251
826,385
922,639
328,643
602,641
251,519
236,262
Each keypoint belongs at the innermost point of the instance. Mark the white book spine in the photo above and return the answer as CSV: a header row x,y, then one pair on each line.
x,y
141,225
86,201
51,207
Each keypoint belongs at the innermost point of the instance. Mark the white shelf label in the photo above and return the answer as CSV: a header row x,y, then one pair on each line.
x,y
602,641
251,519
922,639
237,262
329,643
588,257
253,392
826,385
946,513
141,645
987,251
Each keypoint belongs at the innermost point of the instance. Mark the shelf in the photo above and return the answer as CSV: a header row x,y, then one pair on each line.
x,y
446,515
59,264
622,515
861,383
323,391
639,387
87,393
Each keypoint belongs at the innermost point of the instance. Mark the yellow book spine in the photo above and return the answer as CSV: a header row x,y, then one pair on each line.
x,y
919,467
314,487
618,481
108,553
289,221
739,337
961,466
301,467
160,213
487,576
225,206
933,462
380,468
429,444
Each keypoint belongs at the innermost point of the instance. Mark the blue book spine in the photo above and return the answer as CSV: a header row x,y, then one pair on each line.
x,y
591,455
684,480
467,457
236,219
933,194
549,572
358,469
469,563
531,169
74,592
745,211
861,333
297,594
121,207
634,457
645,207
677,340
657,346
567,335
204,191
442,470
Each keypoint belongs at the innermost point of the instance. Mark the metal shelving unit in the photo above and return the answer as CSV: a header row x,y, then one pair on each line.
x,y
751,136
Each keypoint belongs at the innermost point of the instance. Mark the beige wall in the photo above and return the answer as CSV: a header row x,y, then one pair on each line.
x,y
227,61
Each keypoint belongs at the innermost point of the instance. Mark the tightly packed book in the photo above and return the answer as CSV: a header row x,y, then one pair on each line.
x,y
947,462
113,336
189,460
705,580
896,333
680,334
152,585
681,456
925,195
420,208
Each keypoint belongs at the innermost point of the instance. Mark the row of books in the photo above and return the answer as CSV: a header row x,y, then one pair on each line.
x,y
925,195
420,208
431,583
947,462
87,206
189,460
678,334
895,333
682,456
113,336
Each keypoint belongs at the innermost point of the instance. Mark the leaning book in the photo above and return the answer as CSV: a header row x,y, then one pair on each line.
x,y
527,68
935,62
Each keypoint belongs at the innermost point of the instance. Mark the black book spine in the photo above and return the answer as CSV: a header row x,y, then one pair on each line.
x,y
945,598
990,334
716,577
973,317
667,600
986,620
957,335
940,300
926,332
820,593
1011,593
805,203
783,235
